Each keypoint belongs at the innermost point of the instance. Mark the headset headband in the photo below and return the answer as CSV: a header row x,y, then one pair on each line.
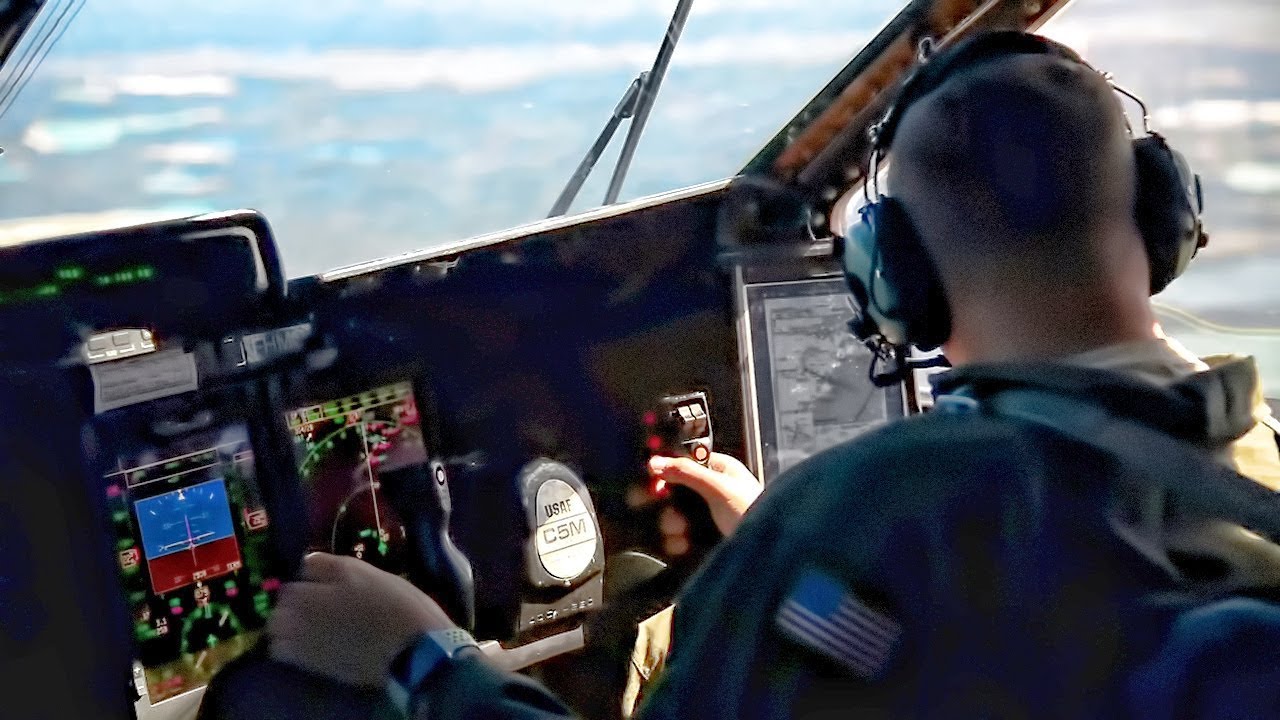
x,y
967,54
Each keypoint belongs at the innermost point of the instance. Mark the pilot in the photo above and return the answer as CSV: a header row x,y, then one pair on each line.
x,y
994,558
730,489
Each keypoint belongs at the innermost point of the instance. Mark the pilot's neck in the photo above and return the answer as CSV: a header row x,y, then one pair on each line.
x,y
1047,328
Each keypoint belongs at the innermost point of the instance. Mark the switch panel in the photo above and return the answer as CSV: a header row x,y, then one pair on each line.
x,y
681,427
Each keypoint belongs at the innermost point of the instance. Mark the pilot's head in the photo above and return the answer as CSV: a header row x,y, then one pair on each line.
x,y
1018,176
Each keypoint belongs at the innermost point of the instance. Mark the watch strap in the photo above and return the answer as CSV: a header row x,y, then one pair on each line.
x,y
421,659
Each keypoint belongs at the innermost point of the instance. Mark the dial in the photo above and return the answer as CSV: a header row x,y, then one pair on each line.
x,y
208,626
366,527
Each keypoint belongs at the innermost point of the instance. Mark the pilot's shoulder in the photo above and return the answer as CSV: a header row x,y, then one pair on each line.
x,y
925,444
926,458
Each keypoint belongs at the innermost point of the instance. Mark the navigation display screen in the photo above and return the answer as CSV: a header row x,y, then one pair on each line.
x,y
812,388
341,447
191,545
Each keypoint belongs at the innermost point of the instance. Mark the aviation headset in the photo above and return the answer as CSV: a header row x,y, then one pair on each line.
x,y
899,297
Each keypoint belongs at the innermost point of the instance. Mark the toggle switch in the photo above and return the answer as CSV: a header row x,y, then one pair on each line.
x,y
681,427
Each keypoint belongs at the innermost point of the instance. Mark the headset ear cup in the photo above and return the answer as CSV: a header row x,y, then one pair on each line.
x,y
856,252
906,267
1167,209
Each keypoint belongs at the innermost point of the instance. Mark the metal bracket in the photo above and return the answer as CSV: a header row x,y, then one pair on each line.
x,y
518,658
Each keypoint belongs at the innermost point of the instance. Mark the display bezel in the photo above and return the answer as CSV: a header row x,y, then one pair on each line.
x,y
379,395
757,358
221,447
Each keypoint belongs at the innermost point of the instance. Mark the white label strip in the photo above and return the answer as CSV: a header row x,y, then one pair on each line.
x,y
264,346
126,382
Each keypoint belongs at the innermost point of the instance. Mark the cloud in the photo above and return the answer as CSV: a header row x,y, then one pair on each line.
x,y
216,152
1218,114
466,69
1247,25
91,134
1254,178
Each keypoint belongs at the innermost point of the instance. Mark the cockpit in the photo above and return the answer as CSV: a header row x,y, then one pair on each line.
x,y
369,364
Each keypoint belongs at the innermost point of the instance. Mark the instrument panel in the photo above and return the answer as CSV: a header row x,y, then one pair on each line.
x,y
478,424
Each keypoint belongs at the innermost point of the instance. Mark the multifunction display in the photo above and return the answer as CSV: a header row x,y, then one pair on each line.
x,y
811,374
341,447
190,529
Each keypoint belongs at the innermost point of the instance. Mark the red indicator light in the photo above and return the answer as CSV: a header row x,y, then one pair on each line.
x,y
129,558
271,584
654,443
650,418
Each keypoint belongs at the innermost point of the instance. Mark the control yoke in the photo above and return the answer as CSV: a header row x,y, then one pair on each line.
x,y
421,494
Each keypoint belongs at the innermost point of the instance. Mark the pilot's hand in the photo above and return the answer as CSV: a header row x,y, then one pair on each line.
x,y
726,485
347,620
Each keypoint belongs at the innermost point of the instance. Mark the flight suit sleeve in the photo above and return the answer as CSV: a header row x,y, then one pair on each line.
x,y
1198,673
472,689
732,655
1255,454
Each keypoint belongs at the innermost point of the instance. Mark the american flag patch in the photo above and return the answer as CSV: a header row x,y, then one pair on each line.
x,y
823,616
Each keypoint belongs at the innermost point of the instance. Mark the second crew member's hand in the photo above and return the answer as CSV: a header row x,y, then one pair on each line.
x,y
347,620
726,485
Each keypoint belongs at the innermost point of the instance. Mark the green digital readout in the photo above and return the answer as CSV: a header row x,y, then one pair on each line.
x,y
127,276
71,277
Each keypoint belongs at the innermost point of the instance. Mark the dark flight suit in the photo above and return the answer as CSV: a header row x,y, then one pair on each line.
x,y
952,565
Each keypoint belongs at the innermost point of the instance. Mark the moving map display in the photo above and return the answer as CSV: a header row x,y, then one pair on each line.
x,y
811,373
192,548
341,447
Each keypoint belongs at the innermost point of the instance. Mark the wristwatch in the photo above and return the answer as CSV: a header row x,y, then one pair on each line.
x,y
420,660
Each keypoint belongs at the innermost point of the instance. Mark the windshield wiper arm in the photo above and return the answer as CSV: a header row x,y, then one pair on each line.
x,y
636,104
649,84
626,108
